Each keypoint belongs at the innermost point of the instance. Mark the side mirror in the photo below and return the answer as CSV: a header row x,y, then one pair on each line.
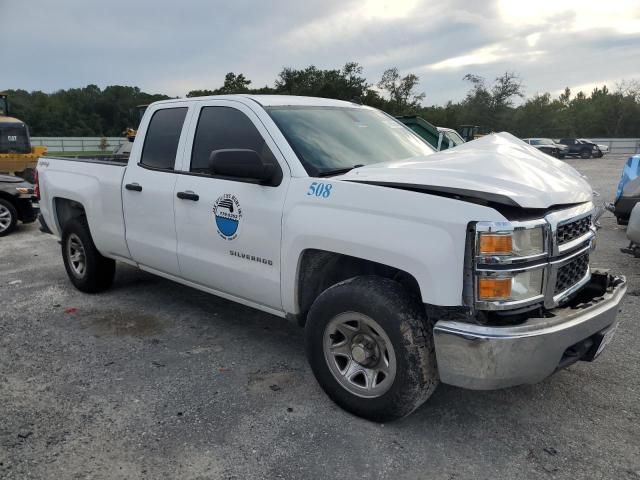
x,y
244,164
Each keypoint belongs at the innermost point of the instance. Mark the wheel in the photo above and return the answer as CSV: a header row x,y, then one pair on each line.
x,y
585,153
87,269
370,347
8,217
622,221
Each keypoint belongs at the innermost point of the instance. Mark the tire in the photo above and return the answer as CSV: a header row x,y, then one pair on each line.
x,y
622,221
585,153
91,273
8,217
401,377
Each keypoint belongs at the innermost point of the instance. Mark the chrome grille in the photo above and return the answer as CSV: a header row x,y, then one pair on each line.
x,y
572,230
571,273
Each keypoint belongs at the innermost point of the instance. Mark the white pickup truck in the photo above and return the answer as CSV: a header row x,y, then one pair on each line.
x,y
406,267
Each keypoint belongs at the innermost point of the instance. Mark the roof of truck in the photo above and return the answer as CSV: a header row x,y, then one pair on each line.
x,y
275,100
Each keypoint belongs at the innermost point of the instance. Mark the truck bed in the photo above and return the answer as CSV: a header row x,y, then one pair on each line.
x,y
95,183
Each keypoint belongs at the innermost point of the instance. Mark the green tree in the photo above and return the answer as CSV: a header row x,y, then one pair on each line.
x,y
402,91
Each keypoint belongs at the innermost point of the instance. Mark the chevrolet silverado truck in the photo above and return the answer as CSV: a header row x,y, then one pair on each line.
x,y
406,267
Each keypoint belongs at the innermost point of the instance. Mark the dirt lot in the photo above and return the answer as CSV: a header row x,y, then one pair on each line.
x,y
155,380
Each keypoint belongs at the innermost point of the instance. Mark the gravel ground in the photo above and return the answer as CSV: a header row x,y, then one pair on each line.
x,y
156,380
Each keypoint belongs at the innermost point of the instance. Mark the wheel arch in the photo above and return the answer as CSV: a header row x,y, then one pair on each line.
x,y
65,209
319,269
8,197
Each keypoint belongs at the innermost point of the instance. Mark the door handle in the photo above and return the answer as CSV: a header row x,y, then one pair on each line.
x,y
188,195
136,187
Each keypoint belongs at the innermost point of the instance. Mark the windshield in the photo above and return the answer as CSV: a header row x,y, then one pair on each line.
x,y
541,141
330,139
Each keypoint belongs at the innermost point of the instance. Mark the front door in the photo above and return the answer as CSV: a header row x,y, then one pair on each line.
x,y
229,231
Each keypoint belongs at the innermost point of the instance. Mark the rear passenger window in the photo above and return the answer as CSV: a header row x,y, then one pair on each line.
x,y
222,128
163,135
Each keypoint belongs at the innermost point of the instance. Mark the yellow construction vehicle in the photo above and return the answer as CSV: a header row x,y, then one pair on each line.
x,y
16,153
130,133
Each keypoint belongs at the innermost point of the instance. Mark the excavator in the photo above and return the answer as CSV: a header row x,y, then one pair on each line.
x,y
131,133
17,156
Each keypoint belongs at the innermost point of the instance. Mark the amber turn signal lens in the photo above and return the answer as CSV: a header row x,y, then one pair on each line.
x,y
494,288
496,244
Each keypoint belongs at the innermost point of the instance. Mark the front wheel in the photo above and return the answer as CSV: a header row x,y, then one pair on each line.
x,y
586,153
371,348
87,269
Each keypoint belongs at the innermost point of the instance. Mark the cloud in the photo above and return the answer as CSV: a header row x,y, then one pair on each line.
x,y
180,46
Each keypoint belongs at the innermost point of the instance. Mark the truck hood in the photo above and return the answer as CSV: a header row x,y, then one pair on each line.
x,y
497,168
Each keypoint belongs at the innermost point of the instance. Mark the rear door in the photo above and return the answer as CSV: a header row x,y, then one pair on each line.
x,y
229,230
148,190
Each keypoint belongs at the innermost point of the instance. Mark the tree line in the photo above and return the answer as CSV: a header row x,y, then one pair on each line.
x,y
494,105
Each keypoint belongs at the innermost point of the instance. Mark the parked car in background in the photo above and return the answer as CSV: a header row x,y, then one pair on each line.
x,y
628,192
448,138
633,233
16,204
603,148
581,148
548,146
440,138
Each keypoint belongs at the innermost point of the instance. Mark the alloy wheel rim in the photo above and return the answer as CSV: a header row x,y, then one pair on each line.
x,y
76,255
359,354
5,218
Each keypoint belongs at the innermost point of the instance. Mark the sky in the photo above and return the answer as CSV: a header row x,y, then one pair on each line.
x,y
178,46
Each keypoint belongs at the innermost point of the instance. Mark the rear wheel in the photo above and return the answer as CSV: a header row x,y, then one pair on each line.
x,y
371,349
8,217
87,269
585,153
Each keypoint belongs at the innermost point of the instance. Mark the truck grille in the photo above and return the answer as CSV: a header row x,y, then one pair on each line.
x,y
14,138
571,231
571,273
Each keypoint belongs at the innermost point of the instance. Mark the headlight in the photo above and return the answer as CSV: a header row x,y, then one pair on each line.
x,y
504,243
507,262
510,286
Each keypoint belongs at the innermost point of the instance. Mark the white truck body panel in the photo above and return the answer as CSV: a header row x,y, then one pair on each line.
x,y
96,186
245,237
419,233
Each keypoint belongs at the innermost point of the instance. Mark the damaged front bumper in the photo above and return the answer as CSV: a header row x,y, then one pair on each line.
x,y
484,357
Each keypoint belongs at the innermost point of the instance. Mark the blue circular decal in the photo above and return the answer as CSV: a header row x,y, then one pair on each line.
x,y
228,214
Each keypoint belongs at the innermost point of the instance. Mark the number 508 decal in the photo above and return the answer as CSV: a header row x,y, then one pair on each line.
x,y
320,189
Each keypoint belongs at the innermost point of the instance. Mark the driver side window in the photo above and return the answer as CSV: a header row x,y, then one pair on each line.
x,y
222,128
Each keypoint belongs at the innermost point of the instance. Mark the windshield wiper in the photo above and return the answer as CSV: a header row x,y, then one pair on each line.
x,y
338,171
